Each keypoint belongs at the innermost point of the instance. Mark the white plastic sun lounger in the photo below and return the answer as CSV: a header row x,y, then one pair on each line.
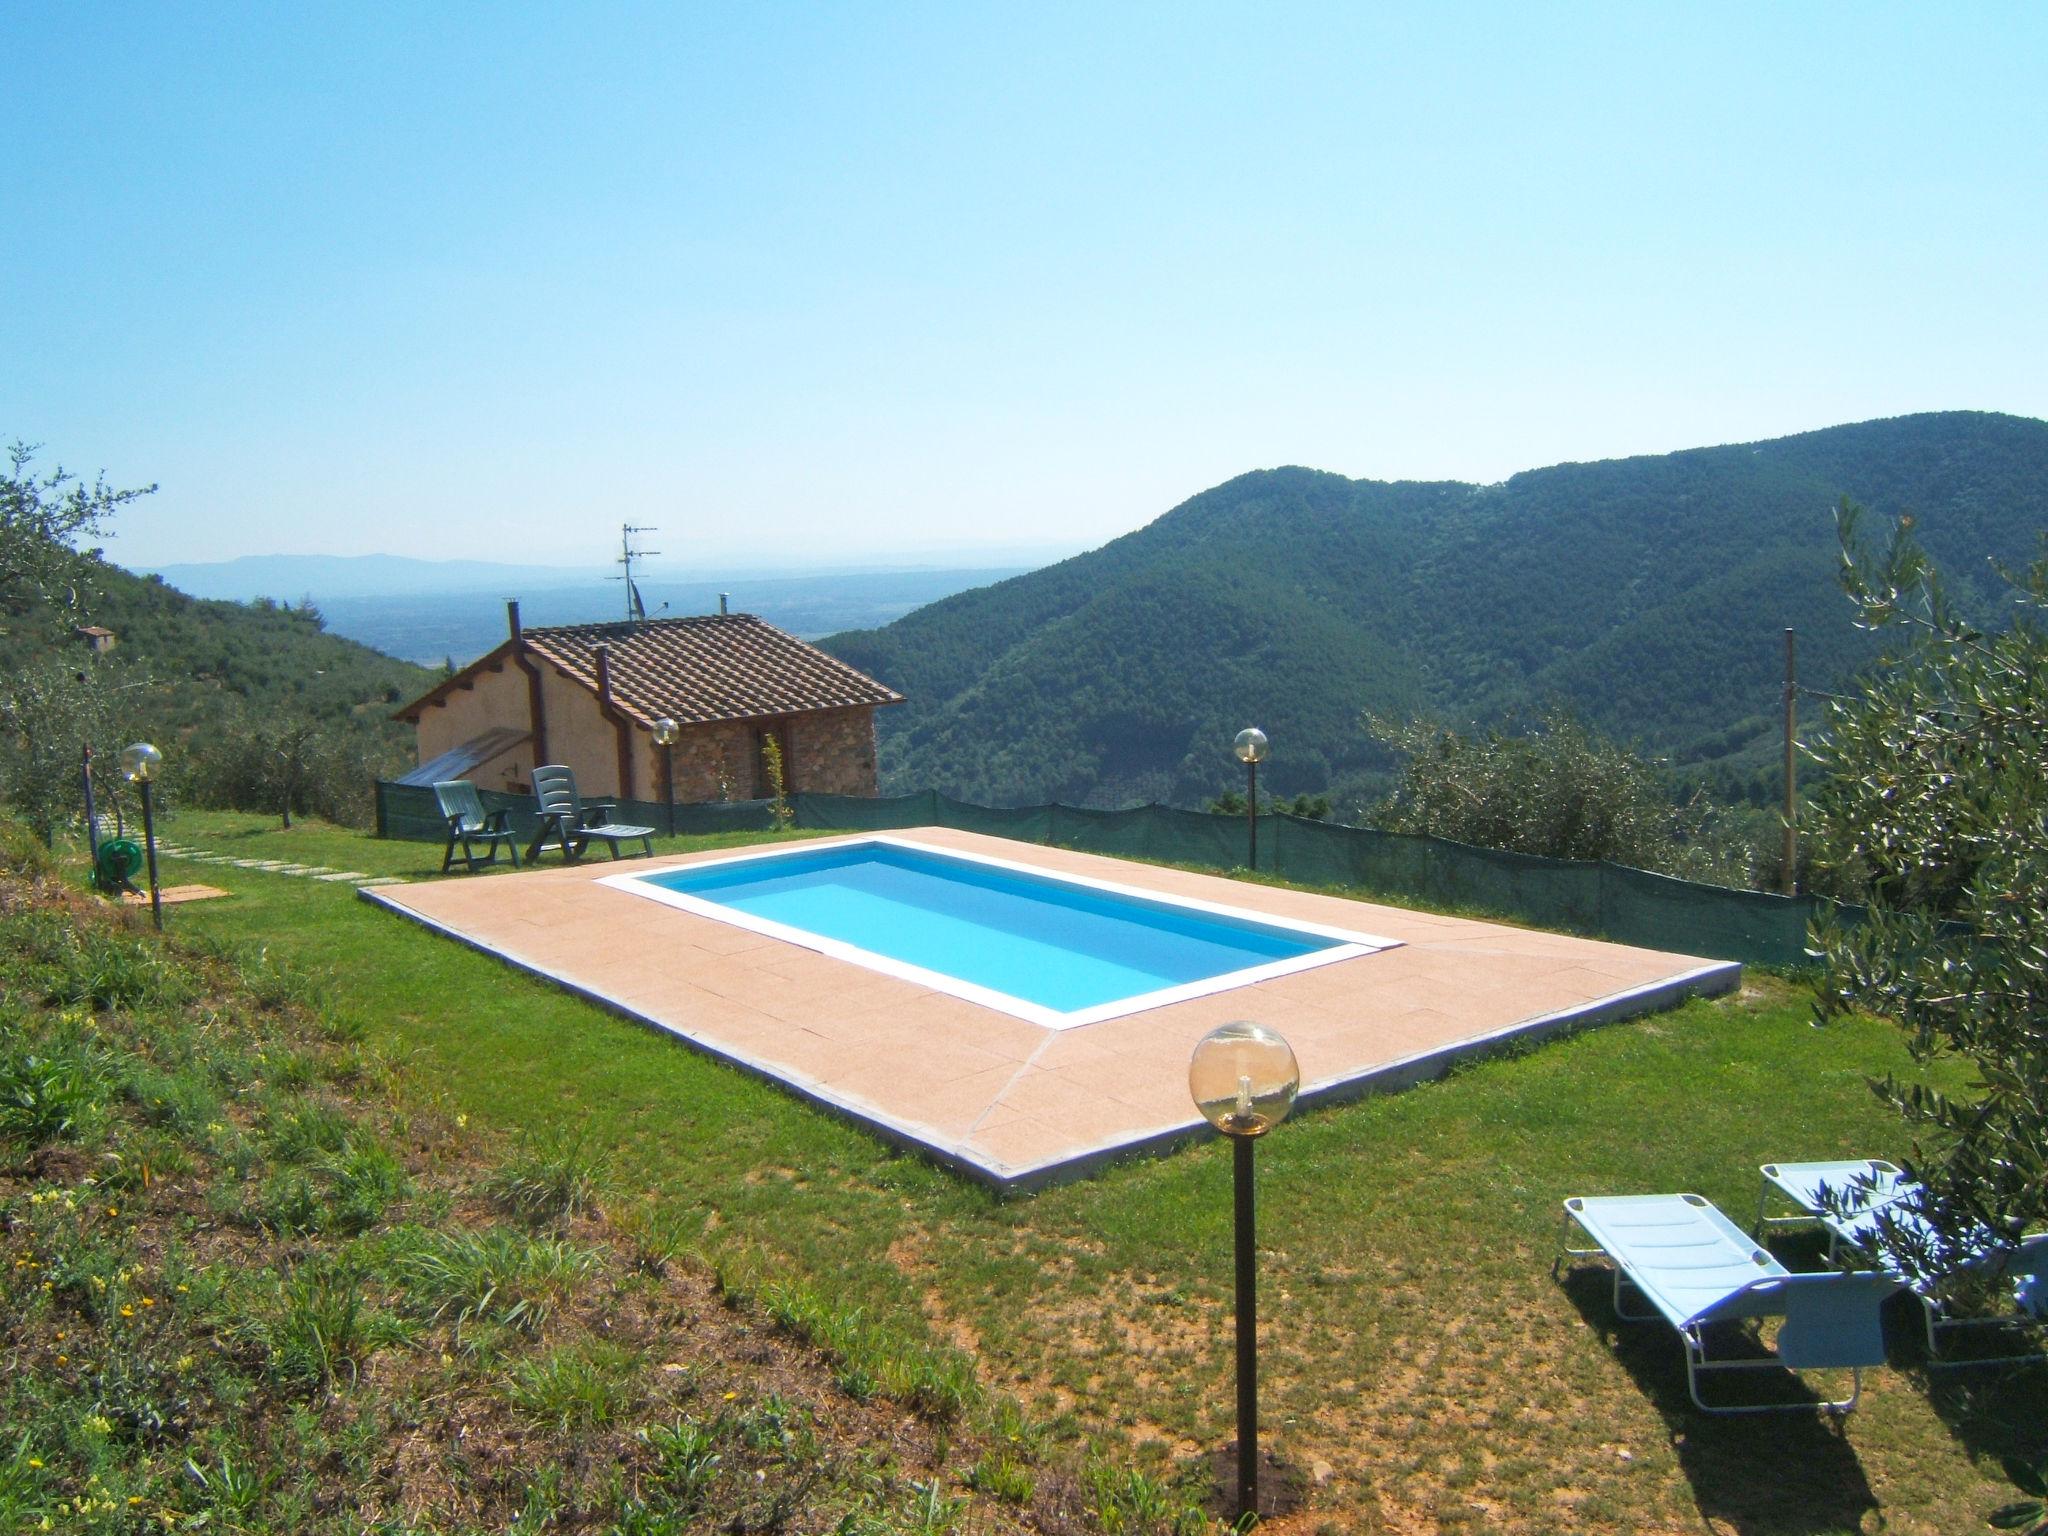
x,y
1697,1268
1847,1198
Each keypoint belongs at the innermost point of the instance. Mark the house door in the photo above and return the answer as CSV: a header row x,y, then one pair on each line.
x,y
779,734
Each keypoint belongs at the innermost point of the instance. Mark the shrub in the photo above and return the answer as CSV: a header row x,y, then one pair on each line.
x,y
1561,791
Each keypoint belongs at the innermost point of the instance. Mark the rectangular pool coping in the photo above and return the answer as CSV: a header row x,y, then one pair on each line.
x,y
988,1151
1346,945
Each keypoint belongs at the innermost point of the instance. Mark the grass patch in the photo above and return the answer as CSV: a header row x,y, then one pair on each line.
x,y
583,1386
363,1347
500,1275
1414,1344
551,1178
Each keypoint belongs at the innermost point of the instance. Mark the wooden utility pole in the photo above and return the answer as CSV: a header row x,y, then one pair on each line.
x,y
1791,876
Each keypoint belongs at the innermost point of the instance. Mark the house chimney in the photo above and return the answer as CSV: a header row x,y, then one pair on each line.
x,y
724,598
536,701
601,654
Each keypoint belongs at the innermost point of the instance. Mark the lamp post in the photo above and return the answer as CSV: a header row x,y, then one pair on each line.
x,y
139,764
1243,1078
1251,751
665,733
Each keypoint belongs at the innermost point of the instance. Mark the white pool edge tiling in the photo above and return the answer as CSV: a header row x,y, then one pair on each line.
x,y
1347,945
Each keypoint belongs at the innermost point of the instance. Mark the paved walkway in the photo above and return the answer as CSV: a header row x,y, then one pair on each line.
x,y
353,877
1009,1101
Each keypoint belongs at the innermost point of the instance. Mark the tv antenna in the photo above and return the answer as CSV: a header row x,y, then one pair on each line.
x,y
636,611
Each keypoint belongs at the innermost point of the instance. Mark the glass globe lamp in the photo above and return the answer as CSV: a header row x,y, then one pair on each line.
x,y
666,731
1250,745
140,762
1243,1078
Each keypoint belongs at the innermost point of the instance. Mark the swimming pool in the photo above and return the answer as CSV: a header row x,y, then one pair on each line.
x,y
1057,950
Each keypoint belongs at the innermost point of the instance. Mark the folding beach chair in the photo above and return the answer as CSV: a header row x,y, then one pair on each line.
x,y
1696,1268
1852,1200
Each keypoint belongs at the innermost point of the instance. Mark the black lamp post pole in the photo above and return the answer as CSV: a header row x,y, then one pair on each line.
x,y
1251,807
156,905
668,783
1247,1334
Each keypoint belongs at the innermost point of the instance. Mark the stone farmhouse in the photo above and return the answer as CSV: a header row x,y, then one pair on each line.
x,y
588,695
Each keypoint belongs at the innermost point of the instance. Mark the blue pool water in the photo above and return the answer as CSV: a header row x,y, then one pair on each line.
x,y
1047,941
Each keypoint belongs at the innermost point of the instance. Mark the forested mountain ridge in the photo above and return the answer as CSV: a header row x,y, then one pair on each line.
x,y
1648,593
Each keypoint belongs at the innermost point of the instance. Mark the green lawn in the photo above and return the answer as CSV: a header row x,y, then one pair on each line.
x,y
1422,1368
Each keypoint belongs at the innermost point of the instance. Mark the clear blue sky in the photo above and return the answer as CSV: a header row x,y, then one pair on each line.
x,y
803,283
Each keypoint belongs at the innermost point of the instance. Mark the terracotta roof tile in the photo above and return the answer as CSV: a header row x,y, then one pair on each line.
x,y
715,667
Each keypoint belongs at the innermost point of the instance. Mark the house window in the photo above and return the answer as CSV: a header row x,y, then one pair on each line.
x,y
779,734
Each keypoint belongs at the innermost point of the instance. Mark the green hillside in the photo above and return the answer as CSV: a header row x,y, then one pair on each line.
x,y
189,673
1647,593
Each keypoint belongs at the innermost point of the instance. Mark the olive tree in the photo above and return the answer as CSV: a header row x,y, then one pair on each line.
x,y
1561,790
42,518
51,710
1936,787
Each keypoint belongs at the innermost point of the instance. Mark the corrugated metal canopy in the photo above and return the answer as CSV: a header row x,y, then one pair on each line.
x,y
460,762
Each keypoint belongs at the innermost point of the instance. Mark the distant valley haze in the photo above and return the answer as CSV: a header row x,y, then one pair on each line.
x,y
430,611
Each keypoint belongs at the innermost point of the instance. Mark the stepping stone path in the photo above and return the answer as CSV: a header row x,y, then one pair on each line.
x,y
278,866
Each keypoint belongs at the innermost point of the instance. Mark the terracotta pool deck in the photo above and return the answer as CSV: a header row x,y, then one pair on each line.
x,y
1012,1103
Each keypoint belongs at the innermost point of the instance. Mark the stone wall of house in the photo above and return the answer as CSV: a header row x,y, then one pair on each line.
x,y
826,751
830,752
833,752
711,763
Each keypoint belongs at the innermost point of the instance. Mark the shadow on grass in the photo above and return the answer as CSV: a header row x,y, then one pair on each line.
x,y
1993,1410
1772,1474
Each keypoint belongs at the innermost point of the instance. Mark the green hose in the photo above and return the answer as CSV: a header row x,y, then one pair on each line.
x,y
114,870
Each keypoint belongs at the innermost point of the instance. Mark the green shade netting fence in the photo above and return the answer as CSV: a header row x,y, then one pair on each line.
x,y
1629,906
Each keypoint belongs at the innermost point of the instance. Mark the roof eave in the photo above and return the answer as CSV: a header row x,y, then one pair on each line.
x,y
411,712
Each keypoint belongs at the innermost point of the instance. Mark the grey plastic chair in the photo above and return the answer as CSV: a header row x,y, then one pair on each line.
x,y
469,824
1697,1268
575,825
